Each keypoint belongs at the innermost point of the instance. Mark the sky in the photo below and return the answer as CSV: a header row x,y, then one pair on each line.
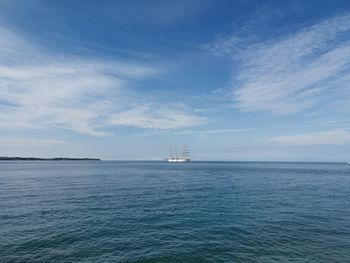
x,y
126,80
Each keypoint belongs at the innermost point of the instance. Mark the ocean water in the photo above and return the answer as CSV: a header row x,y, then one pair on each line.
x,y
159,212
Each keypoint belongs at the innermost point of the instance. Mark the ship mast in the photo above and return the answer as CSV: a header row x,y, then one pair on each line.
x,y
185,151
171,152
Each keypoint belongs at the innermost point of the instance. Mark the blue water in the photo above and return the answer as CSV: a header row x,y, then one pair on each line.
x,y
160,212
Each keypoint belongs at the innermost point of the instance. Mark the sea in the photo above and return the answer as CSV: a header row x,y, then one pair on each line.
x,y
123,211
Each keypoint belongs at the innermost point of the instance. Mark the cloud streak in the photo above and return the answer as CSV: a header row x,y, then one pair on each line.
x,y
294,73
23,142
154,117
41,89
334,137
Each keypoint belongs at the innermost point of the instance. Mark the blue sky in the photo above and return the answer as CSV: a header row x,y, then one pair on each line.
x,y
235,80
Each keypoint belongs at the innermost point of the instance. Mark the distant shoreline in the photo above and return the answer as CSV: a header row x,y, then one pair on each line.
x,y
46,159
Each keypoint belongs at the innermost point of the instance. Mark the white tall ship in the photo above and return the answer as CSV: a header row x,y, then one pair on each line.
x,y
183,157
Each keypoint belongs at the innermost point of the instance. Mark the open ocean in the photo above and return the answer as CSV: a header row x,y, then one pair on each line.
x,y
159,212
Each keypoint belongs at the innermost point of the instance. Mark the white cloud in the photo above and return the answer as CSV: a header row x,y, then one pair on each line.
x,y
156,117
295,72
63,94
334,137
40,89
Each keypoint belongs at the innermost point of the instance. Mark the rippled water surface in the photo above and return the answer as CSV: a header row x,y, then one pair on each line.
x,y
160,212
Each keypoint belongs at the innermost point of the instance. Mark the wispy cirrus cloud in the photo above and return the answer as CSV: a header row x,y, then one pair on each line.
x,y
329,124
333,137
42,89
293,73
150,116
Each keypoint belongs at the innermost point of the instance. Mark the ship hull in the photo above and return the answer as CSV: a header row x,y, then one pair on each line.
x,y
177,160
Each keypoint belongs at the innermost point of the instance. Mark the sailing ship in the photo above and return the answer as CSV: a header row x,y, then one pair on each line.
x,y
183,157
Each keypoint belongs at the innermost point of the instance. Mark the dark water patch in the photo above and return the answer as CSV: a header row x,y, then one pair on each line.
x,y
159,212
